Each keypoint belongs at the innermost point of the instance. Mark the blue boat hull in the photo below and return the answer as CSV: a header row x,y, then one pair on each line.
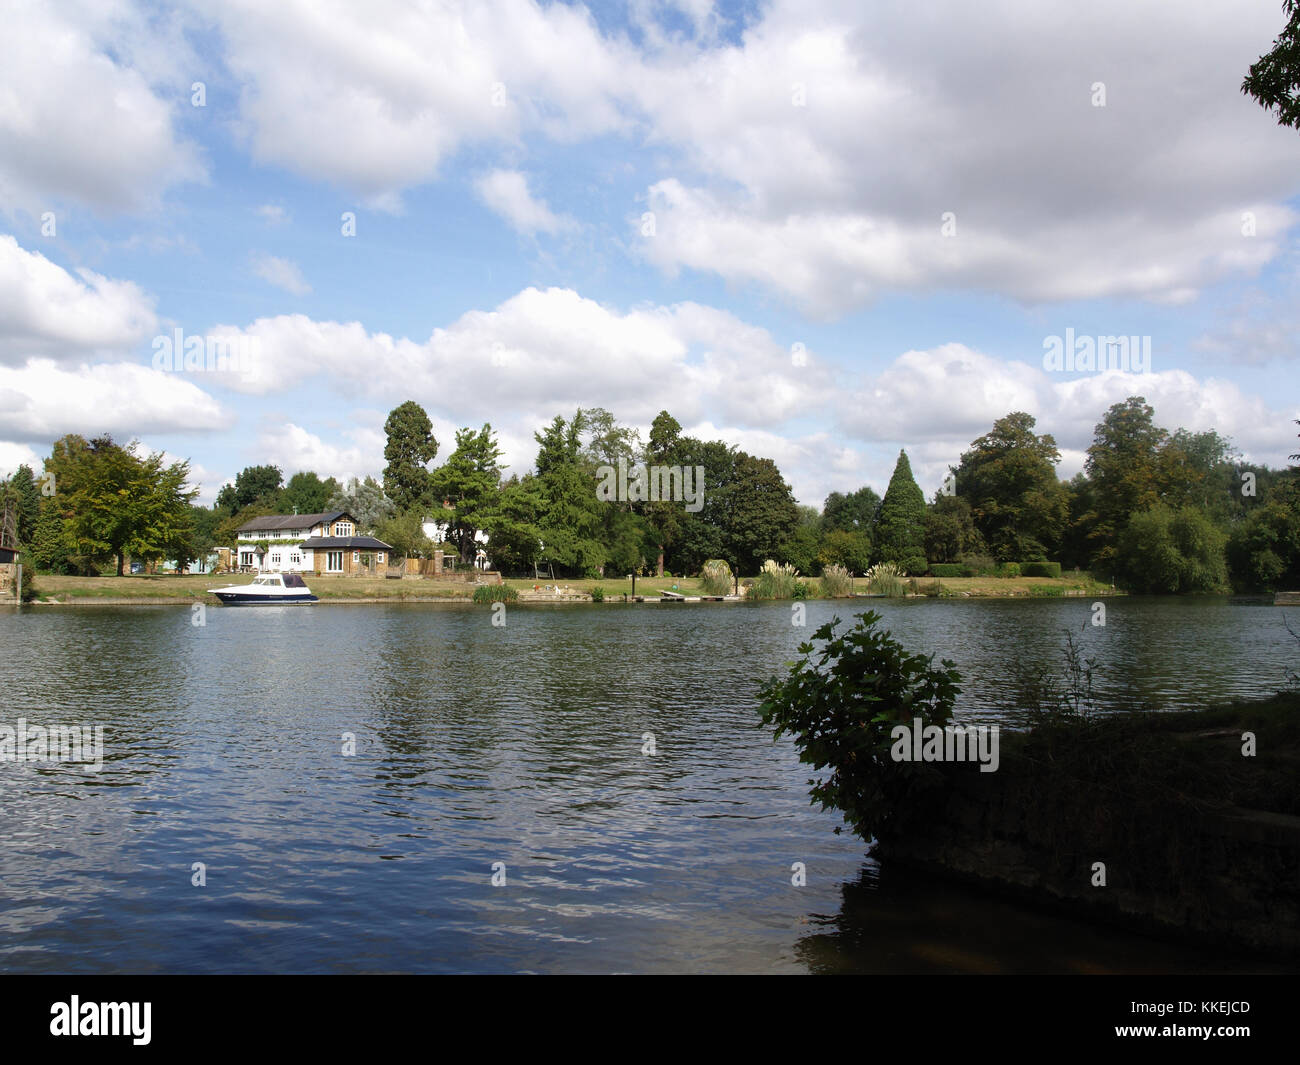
x,y
243,599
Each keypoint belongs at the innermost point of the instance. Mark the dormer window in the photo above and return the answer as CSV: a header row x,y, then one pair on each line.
x,y
343,528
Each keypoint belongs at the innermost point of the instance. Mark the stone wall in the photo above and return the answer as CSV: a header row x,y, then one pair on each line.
x,y
1239,877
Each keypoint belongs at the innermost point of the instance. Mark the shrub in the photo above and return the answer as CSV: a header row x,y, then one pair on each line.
x,y
495,593
715,575
776,581
1040,569
840,705
1012,569
884,578
598,594
949,569
836,582
1165,551
980,565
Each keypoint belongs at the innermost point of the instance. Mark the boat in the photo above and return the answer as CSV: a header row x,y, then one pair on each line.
x,y
268,589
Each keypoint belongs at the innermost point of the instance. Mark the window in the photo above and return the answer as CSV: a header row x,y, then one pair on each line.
x,y
343,528
381,556
356,557
333,561
275,558
295,559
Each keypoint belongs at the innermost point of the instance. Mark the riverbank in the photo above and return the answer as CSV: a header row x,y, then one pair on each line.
x,y
144,589
1185,825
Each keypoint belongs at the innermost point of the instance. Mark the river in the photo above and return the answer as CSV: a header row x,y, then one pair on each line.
x,y
518,753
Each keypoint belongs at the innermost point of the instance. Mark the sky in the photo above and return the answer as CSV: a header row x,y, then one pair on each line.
x,y
820,231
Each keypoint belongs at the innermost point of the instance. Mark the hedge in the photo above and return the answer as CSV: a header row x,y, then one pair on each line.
x,y
1040,569
949,569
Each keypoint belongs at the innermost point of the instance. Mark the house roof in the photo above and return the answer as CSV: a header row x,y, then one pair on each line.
x,y
354,543
274,522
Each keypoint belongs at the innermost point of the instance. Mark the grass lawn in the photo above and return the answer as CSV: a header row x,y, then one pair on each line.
x,y
170,586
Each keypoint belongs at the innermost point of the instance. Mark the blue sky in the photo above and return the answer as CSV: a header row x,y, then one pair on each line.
x,y
866,223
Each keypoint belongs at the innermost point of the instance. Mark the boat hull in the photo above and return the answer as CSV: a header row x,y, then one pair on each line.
x,y
246,599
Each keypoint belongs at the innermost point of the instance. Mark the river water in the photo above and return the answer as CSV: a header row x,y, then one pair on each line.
x,y
515,753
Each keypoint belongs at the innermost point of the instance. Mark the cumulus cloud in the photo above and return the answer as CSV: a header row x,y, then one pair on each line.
x,y
46,310
506,193
43,401
83,115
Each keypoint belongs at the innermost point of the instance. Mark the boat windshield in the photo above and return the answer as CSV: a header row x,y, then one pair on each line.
x,y
292,580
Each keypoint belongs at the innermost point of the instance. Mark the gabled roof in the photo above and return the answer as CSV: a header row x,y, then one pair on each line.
x,y
275,522
351,543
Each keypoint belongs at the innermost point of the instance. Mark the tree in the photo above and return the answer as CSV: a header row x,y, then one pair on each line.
x,y
469,480
1008,477
306,493
950,530
802,548
857,510
569,521
1264,551
365,501
404,533
848,548
1163,551
664,516
761,512
900,525
254,485
116,503
411,447
1124,465
1274,79
27,501
514,529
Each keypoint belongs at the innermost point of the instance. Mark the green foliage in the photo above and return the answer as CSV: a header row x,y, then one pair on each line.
x,y
404,533
979,565
854,512
803,546
116,503
1009,478
836,582
1014,569
900,525
1124,466
365,501
306,493
848,549
495,593
949,569
254,485
469,480
761,511
839,705
1274,79
1264,550
716,577
950,529
597,594
777,581
1038,569
1163,551
410,448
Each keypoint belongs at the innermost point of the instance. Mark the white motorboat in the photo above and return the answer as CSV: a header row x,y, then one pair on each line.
x,y
267,589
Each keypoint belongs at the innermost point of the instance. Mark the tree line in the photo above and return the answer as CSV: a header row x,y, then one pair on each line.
x,y
1153,510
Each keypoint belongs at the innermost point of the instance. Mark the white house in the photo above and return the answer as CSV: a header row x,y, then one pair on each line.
x,y
307,543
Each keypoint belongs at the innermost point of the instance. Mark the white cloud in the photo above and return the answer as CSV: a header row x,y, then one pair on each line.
x,y
45,310
80,118
273,214
506,193
43,401
293,448
14,455
282,273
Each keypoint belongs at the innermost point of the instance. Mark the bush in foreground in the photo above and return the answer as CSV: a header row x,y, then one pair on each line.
x,y
840,703
837,582
495,593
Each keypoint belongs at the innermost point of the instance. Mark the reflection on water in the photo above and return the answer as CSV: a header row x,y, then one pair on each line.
x,y
519,745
